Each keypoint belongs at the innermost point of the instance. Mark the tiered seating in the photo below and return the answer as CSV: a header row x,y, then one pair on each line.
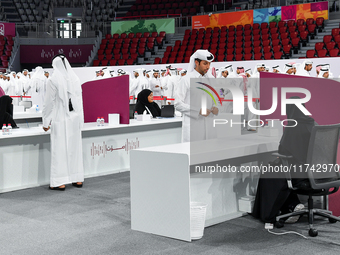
x,y
99,10
260,41
29,10
328,48
6,45
164,7
125,48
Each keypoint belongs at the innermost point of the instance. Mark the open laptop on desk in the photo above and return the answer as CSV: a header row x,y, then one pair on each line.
x,y
167,111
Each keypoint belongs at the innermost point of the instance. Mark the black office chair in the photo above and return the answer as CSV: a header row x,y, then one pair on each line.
x,y
322,151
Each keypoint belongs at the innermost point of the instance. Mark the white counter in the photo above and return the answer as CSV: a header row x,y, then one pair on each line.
x,y
161,192
25,155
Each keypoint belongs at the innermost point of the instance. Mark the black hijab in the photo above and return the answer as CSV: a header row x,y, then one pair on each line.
x,y
6,111
295,140
143,102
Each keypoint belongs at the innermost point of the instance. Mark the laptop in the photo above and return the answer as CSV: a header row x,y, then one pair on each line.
x,y
132,111
167,111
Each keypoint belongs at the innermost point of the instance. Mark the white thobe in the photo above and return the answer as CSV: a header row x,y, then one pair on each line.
x,y
190,108
66,142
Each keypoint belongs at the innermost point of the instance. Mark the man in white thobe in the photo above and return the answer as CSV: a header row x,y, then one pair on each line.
x,y
305,68
63,113
193,114
38,87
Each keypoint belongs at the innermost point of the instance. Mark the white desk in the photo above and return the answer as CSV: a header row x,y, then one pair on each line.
x,y
162,185
25,155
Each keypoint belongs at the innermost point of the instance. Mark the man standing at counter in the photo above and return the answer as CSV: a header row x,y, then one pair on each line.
x,y
199,66
64,111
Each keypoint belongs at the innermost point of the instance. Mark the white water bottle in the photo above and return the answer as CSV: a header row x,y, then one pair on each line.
x,y
9,129
102,121
4,129
98,122
37,109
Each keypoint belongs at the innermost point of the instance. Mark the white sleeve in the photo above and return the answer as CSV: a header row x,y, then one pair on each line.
x,y
50,98
180,96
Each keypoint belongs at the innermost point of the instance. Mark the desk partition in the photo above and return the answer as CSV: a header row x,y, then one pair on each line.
x,y
104,96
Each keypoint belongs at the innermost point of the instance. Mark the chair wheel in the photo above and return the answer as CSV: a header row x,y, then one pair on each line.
x,y
313,232
280,224
332,220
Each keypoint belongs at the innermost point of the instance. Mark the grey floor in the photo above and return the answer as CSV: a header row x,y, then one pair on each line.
x,y
96,220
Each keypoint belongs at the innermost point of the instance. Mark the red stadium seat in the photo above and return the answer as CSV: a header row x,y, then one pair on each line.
x,y
220,58
256,31
264,31
337,38
239,28
108,57
302,28
248,44
248,32
230,58
239,33
304,36
265,43
130,62
256,43
265,37
274,30
248,56
292,29
100,57
104,62
294,35
312,29
330,45
290,23
230,51
319,22
256,37
334,53
275,42
257,49
284,35
282,30
248,50
157,61
300,22
238,51
278,55
335,31
277,48
267,49
258,56
327,38
309,21
239,44
238,57
121,62
256,26
287,49
112,62
268,55
321,53
96,62
285,41
247,27
296,42
224,29
275,36
164,60
319,46
272,24
282,24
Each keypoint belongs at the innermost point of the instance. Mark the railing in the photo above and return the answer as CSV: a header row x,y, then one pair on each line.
x,y
51,30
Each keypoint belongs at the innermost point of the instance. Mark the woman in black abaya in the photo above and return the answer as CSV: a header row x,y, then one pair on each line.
x,y
273,195
6,111
145,103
